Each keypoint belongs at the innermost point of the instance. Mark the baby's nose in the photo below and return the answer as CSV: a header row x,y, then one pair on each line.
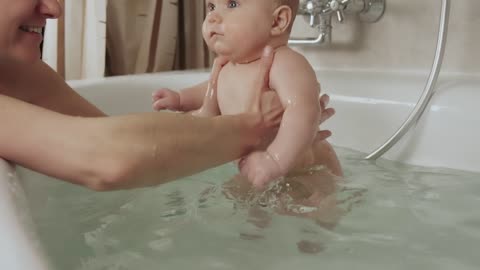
x,y
214,17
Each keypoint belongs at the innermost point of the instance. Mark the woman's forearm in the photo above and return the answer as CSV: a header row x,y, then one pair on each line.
x,y
106,153
149,153
45,88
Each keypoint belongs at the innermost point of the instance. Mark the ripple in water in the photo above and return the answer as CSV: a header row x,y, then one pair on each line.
x,y
382,215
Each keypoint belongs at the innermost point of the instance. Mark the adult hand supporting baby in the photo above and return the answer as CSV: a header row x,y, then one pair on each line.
x,y
264,100
268,102
210,101
258,166
327,113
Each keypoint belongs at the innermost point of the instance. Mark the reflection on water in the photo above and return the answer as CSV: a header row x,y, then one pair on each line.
x,y
383,215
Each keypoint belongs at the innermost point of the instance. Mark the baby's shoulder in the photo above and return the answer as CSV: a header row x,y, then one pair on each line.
x,y
289,65
286,55
288,62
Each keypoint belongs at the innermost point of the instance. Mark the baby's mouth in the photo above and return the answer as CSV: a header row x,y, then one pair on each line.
x,y
215,34
31,29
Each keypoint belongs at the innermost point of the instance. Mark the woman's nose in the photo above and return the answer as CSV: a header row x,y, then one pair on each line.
x,y
50,8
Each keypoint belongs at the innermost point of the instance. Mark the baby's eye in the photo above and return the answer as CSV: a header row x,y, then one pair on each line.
x,y
233,4
210,7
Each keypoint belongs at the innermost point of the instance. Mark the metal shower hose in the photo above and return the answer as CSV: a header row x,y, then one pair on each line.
x,y
427,92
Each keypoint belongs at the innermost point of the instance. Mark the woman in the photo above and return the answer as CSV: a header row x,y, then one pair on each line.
x,y
49,128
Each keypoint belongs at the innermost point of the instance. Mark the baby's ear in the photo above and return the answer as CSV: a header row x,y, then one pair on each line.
x,y
282,18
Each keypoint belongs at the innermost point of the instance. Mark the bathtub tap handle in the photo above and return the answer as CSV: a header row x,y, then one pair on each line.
x,y
337,6
340,16
318,14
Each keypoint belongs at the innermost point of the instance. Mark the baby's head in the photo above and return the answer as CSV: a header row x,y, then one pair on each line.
x,y
292,5
240,29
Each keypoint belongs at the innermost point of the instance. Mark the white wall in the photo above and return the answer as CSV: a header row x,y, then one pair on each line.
x,y
404,39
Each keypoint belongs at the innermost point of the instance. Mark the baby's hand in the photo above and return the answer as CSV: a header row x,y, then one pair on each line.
x,y
260,168
166,99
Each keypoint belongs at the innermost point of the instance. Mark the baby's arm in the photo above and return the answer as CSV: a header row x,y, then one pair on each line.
x,y
295,82
201,98
185,100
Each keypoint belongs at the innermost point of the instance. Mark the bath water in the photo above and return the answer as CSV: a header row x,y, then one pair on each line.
x,y
385,215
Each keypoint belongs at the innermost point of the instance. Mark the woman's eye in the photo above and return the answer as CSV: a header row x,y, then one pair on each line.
x,y
233,4
210,7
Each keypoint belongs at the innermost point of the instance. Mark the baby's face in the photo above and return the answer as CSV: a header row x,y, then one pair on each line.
x,y
238,29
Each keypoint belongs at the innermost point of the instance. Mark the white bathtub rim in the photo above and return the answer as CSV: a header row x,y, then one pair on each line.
x,y
371,96
19,244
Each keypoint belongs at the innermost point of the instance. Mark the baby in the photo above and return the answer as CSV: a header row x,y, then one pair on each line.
x,y
238,31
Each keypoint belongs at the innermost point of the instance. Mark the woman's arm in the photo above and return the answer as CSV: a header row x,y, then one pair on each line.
x,y
105,153
38,84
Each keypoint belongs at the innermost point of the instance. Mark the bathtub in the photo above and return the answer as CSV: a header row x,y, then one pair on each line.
x,y
370,107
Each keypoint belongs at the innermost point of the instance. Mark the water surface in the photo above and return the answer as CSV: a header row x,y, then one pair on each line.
x,y
386,215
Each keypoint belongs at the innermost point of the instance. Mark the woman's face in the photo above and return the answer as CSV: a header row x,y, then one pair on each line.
x,y
21,25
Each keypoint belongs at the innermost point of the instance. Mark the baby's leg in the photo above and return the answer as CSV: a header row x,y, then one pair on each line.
x,y
241,191
313,196
324,154
310,194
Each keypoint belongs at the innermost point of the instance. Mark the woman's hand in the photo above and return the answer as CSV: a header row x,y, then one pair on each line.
x,y
210,101
264,102
327,113
260,167
267,102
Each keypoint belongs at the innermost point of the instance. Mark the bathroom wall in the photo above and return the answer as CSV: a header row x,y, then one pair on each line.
x,y
404,39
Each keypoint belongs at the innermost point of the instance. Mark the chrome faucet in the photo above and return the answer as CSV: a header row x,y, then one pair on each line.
x,y
318,14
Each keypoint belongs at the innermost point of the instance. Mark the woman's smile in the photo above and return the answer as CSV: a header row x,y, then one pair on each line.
x,y
32,32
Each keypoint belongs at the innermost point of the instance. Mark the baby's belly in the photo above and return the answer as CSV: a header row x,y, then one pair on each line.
x,y
233,108
235,95
233,103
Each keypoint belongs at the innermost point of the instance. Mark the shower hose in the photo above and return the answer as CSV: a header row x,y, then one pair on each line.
x,y
427,92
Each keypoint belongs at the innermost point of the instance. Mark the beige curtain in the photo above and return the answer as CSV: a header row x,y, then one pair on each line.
x,y
145,36
141,35
75,44
192,52
118,37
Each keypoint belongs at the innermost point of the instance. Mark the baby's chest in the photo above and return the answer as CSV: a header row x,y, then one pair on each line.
x,y
236,89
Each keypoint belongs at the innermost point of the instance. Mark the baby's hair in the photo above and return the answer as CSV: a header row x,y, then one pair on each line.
x,y
293,4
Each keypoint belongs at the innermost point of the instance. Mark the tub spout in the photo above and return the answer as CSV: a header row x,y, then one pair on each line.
x,y
318,14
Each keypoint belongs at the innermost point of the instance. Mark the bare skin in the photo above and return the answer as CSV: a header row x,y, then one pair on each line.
x,y
49,128
291,77
298,145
